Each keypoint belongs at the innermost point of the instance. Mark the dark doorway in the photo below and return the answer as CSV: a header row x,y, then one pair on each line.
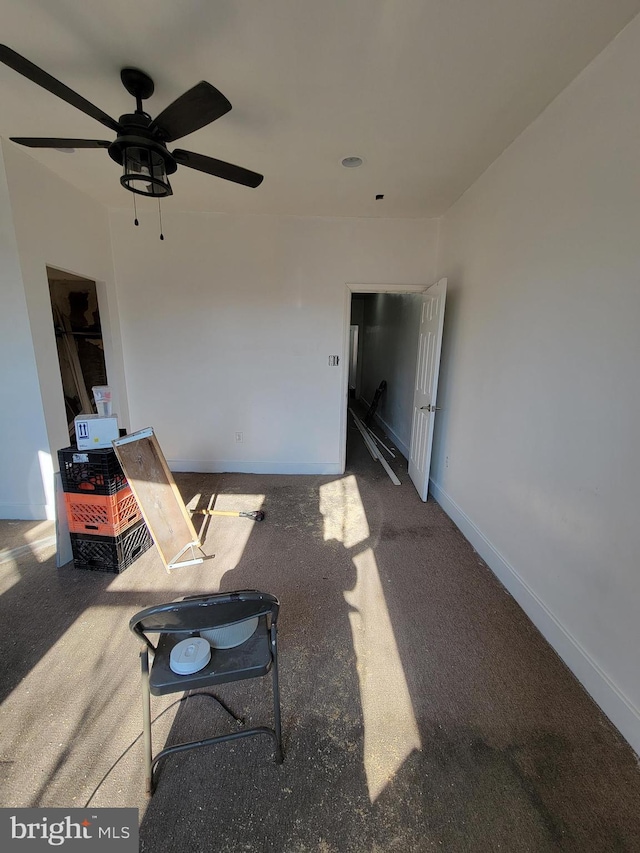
x,y
76,320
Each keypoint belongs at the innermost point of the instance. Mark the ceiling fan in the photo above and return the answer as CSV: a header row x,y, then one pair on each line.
x,y
140,146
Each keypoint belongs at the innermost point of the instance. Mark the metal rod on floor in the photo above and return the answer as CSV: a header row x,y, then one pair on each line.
x,y
368,443
372,448
378,441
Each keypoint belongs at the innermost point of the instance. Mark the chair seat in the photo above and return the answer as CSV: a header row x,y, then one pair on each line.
x,y
250,659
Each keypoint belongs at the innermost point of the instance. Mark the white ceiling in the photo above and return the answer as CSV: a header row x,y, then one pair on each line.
x,y
427,92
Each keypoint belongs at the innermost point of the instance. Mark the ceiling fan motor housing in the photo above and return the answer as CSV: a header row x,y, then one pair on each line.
x,y
145,160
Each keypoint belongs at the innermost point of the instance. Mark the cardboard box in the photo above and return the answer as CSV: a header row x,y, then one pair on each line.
x,y
94,431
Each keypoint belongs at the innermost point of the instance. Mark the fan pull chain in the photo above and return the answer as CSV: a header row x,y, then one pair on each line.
x,y
135,211
160,215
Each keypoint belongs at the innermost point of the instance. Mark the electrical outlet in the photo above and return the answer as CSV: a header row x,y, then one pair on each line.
x,y
239,437
446,461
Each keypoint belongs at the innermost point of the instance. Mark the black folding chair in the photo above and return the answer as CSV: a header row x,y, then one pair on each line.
x,y
252,658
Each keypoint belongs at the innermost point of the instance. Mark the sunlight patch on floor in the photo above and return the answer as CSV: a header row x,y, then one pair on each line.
x,y
9,573
40,534
215,528
344,516
40,543
390,728
80,728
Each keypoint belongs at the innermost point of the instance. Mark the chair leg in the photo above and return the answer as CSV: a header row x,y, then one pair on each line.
x,y
146,721
279,757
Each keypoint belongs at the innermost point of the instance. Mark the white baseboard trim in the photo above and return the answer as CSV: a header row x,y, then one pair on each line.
x,y
618,708
237,467
26,512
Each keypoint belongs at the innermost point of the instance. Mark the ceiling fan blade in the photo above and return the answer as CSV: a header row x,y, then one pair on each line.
x,y
196,108
218,168
38,142
41,78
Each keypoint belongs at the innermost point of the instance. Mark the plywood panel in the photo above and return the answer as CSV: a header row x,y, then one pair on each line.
x,y
158,496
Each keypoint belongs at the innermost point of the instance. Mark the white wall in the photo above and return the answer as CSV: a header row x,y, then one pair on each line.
x,y
54,225
228,324
23,436
391,324
540,378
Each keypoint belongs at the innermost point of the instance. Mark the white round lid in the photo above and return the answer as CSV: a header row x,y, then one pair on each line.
x,y
190,655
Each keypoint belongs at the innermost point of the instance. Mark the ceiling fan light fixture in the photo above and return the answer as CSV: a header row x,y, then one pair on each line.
x,y
140,146
144,172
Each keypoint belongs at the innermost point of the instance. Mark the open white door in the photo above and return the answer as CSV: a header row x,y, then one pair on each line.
x,y
426,385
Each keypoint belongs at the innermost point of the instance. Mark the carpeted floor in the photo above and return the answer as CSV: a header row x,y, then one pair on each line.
x,y
421,709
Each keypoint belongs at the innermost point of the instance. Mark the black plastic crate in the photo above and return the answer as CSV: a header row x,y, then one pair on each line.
x,y
91,472
110,553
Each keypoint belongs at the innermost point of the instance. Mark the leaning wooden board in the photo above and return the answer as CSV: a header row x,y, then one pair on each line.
x,y
158,497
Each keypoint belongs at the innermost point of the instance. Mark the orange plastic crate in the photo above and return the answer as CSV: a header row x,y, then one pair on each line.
x,y
102,515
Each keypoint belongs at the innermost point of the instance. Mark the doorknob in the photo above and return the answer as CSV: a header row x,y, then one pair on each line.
x,y
431,408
